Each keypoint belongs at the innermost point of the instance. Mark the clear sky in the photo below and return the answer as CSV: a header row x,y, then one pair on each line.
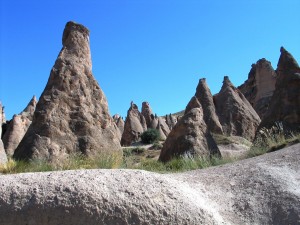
x,y
154,50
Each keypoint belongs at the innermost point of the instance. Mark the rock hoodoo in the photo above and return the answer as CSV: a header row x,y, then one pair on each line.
x,y
72,113
260,86
235,113
135,125
18,126
205,98
3,157
151,121
120,123
285,102
189,136
170,121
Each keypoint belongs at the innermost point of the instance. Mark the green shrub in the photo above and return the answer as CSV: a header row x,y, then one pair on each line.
x,y
150,136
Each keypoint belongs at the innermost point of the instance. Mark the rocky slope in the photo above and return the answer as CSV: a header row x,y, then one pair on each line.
x,y
260,190
260,85
72,113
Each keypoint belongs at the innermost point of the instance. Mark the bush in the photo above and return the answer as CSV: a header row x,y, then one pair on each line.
x,y
150,136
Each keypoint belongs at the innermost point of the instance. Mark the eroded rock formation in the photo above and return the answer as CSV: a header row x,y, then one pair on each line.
x,y
120,124
170,121
235,113
17,127
135,125
151,121
285,103
189,136
72,113
260,86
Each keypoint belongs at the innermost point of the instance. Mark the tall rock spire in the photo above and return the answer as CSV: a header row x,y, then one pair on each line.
x,y
72,113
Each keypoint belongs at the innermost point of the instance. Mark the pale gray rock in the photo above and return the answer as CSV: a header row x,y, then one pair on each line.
x,y
260,190
72,115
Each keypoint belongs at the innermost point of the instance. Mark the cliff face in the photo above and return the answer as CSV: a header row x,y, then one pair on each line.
x,y
260,85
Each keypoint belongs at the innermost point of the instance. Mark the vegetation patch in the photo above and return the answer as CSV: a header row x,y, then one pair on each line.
x,y
150,136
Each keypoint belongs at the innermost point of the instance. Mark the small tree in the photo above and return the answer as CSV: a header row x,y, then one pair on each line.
x,y
150,136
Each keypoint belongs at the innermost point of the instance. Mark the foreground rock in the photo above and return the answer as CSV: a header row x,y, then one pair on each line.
x,y
235,113
72,113
261,190
285,104
260,86
135,125
3,157
189,136
17,127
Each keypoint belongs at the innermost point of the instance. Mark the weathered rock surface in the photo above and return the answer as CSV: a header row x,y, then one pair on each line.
x,y
17,127
260,85
135,125
72,113
148,115
163,125
261,190
285,103
189,136
120,123
235,113
205,98
170,121
3,157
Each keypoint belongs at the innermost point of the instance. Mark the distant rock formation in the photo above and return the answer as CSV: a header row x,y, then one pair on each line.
x,y
260,85
205,98
189,136
235,113
163,126
135,125
285,103
119,122
151,121
3,157
72,113
17,127
170,121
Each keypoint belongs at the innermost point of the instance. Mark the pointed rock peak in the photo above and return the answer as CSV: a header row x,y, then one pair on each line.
x,y
133,106
71,32
226,84
30,108
286,61
146,108
193,103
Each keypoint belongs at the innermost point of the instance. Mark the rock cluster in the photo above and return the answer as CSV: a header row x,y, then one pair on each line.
x,y
137,122
17,127
72,113
260,86
285,103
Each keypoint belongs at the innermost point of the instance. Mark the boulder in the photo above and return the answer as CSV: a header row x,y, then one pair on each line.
x,y
17,127
135,125
189,136
285,103
235,113
72,114
260,85
205,98
260,190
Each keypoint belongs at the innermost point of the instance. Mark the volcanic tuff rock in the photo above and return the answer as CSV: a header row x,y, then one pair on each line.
x,y
285,103
205,98
17,127
3,157
189,136
260,86
170,121
235,113
120,124
148,115
260,190
135,125
163,126
72,113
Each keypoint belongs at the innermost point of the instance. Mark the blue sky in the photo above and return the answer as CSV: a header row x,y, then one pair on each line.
x,y
153,50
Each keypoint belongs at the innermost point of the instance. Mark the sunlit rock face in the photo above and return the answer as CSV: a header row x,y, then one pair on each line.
x,y
72,113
